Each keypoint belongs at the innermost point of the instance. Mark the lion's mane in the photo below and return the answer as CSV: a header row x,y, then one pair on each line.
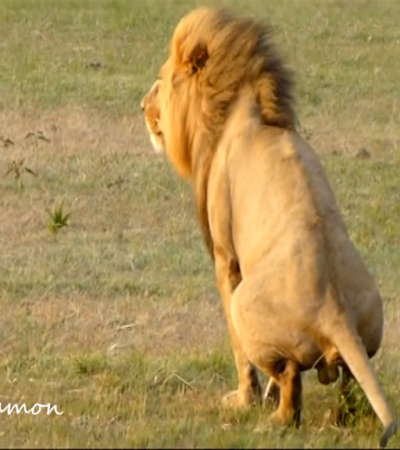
x,y
214,58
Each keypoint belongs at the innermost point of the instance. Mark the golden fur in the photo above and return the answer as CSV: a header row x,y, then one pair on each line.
x,y
295,290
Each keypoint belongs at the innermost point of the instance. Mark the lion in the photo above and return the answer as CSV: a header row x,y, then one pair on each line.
x,y
295,290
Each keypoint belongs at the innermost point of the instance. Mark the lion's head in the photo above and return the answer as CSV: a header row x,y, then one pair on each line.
x,y
214,58
151,108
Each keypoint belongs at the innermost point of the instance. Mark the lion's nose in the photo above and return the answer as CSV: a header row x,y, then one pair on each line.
x,y
142,105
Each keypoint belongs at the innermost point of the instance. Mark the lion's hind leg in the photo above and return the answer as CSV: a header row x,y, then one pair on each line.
x,y
288,386
290,399
260,332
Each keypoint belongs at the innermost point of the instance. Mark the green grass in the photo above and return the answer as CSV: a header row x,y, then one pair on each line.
x,y
115,318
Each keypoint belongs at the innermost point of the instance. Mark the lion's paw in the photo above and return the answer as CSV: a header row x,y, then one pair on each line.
x,y
239,400
277,418
267,425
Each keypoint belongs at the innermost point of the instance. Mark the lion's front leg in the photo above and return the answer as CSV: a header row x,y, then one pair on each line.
x,y
249,388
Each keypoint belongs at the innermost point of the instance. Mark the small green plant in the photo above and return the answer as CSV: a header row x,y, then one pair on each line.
x,y
57,219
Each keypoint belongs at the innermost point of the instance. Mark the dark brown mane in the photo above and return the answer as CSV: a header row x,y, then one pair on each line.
x,y
240,55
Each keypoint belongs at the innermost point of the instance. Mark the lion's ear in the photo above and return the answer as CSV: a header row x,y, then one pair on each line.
x,y
197,59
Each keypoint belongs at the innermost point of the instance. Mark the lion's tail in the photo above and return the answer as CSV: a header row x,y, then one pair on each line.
x,y
345,337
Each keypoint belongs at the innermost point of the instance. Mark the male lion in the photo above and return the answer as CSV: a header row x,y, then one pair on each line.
x,y
295,291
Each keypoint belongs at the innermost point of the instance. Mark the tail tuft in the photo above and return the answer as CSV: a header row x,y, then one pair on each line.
x,y
387,434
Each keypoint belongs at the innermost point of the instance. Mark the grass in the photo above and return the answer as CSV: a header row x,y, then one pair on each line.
x,y
115,318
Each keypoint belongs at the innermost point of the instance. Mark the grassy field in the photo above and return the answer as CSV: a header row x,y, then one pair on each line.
x,y
115,318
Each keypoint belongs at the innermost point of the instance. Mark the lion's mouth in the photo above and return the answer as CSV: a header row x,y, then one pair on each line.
x,y
156,140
